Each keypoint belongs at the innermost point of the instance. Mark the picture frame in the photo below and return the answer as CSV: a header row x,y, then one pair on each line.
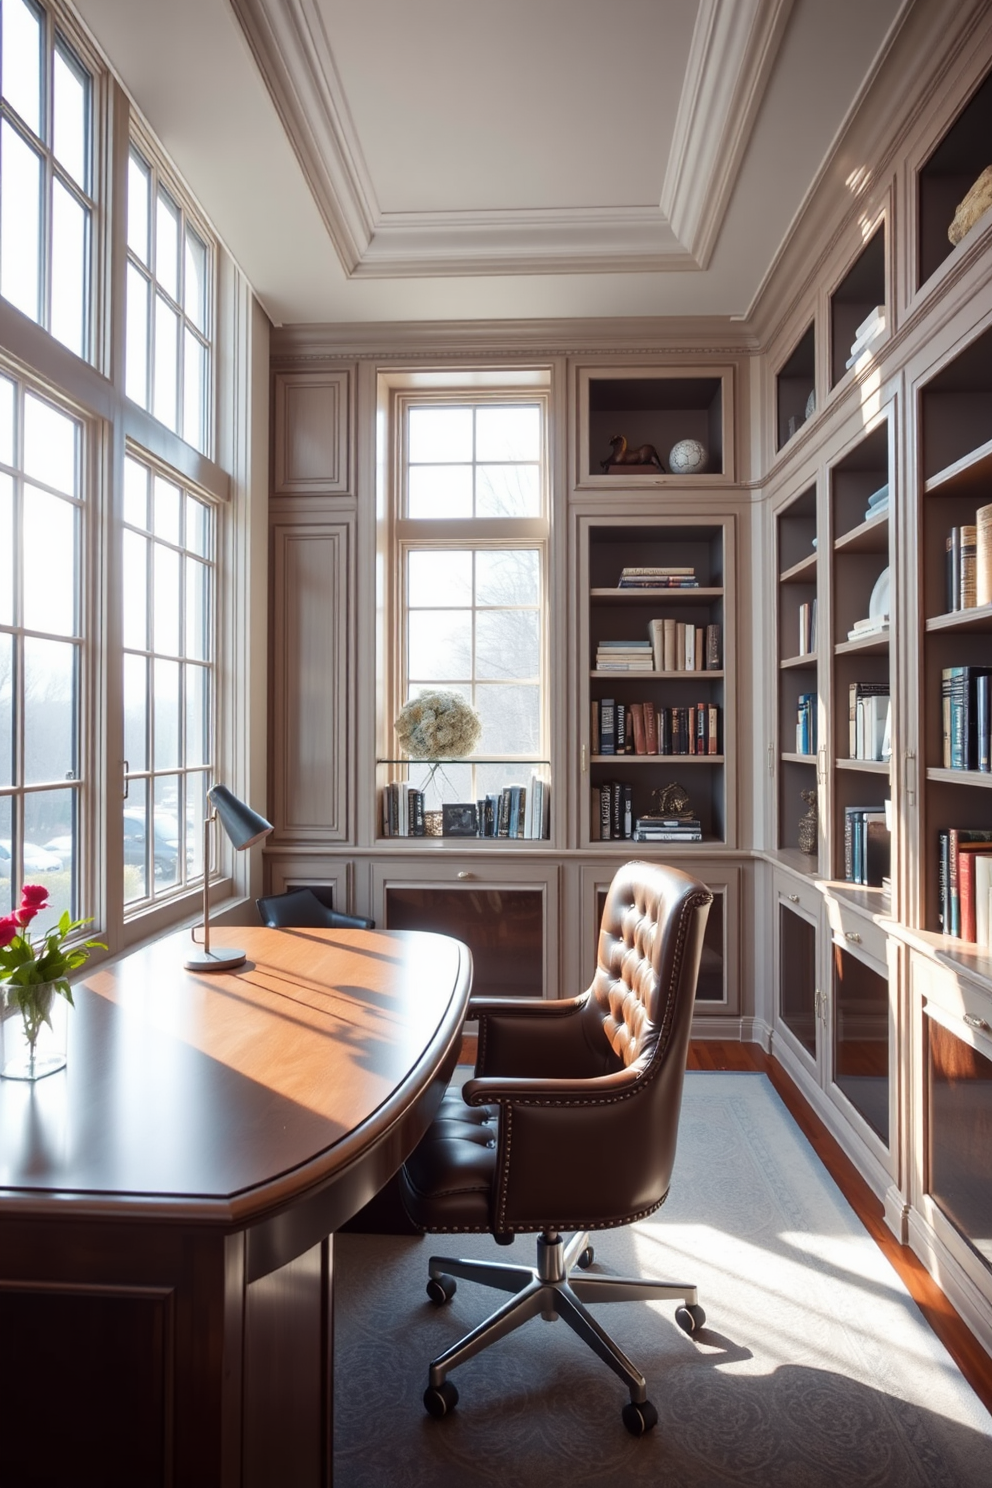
x,y
459,819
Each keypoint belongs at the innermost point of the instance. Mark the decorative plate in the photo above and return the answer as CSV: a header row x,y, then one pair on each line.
x,y
878,605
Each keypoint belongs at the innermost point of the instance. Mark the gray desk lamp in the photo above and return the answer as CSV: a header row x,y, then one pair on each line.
x,y
244,827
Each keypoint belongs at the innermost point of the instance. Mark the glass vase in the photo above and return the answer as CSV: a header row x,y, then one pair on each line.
x,y
33,1028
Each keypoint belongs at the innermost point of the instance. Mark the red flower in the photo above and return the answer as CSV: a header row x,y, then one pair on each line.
x,y
8,929
35,894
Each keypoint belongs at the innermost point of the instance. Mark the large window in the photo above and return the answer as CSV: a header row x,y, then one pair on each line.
x,y
169,305
41,645
46,169
169,658
472,539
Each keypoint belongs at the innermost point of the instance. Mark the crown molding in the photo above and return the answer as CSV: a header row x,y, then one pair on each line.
x,y
414,341
732,52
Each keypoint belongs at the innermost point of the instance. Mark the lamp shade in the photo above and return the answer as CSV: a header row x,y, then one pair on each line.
x,y
243,826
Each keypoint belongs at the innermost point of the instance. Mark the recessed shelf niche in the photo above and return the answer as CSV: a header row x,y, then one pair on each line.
x,y
861,289
654,410
794,387
949,175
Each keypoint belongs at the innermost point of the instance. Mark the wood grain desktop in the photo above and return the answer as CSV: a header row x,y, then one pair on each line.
x,y
167,1202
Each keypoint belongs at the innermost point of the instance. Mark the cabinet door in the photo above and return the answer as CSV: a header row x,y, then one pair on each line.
x,y
861,1052
506,913
799,1001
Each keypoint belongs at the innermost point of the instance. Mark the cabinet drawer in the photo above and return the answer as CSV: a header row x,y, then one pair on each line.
x,y
856,933
799,894
957,996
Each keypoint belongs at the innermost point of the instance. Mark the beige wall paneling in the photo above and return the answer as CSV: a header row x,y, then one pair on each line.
x,y
287,870
312,431
489,879
312,679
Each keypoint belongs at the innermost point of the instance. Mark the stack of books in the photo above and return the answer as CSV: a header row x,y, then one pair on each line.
x,y
806,723
868,331
402,810
964,881
658,577
961,547
667,829
878,502
872,625
807,628
624,656
965,705
612,811
643,728
680,646
870,721
983,555
867,845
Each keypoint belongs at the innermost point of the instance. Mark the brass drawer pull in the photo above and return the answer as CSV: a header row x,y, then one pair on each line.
x,y
854,936
974,1022
464,874
793,898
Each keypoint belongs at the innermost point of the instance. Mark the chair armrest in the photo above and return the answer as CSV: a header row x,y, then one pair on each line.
x,y
483,1090
535,1038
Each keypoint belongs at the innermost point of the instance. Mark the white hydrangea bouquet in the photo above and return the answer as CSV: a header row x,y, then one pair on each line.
x,y
438,724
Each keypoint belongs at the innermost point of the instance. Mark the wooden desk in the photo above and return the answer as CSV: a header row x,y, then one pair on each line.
x,y
166,1202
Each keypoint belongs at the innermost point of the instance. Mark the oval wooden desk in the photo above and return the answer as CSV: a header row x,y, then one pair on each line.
x,y
166,1203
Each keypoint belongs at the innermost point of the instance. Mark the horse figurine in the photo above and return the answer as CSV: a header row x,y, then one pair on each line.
x,y
646,454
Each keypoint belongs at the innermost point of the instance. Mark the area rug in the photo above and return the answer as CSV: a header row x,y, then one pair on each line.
x,y
815,1368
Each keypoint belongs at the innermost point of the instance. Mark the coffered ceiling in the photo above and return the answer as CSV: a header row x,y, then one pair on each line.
x,y
452,159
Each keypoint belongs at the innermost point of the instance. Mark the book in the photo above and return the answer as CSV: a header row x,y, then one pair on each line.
x,y
956,838
983,894
983,721
635,571
620,727
983,555
714,647
966,594
952,559
607,726
637,726
650,728
866,718
962,748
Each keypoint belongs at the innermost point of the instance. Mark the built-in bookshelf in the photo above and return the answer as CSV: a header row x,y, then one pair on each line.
x,y
798,641
684,701
855,328
859,744
795,389
948,175
956,467
652,409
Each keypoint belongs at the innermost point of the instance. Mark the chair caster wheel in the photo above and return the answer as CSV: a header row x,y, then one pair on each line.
x,y
440,1400
639,1418
690,1319
586,1259
441,1289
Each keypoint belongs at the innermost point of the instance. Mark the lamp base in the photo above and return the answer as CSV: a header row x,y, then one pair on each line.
x,y
221,959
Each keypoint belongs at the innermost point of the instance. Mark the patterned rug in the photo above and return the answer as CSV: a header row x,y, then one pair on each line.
x,y
815,1368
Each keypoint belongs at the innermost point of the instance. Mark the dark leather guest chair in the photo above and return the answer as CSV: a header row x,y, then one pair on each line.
x,y
300,909
570,1124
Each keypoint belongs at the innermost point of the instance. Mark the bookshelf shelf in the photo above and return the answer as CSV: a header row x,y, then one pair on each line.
x,y
654,596
803,572
871,536
870,645
808,659
972,474
638,676
623,760
798,759
867,767
962,621
980,778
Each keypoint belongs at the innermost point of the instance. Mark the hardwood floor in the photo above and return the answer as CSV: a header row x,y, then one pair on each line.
x,y
963,1347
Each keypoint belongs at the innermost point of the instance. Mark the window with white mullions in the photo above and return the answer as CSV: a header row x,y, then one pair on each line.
x,y
46,171
169,306
41,640
168,610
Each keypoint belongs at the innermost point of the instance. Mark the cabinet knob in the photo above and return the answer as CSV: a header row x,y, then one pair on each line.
x,y
853,935
974,1022
464,874
793,898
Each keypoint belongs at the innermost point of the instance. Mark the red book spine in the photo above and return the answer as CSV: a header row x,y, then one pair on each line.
x,y
966,893
650,728
637,719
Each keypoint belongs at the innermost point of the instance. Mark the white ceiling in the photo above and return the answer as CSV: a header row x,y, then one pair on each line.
x,y
454,159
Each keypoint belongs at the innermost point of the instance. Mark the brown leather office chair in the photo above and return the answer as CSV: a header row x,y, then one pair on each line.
x,y
570,1124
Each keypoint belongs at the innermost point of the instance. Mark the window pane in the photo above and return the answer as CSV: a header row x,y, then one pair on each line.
x,y
49,710
138,190
50,849
6,875
166,706
511,719
70,116
136,333
508,433
6,421
507,643
6,710
6,550
439,578
136,712
194,363
197,526
135,842
197,643
195,296
439,645
49,598
135,591
165,624
197,729
168,510
49,445
196,811
22,61
135,493
440,491
20,222
167,244
166,839
70,228
508,491
440,435
164,393
507,576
